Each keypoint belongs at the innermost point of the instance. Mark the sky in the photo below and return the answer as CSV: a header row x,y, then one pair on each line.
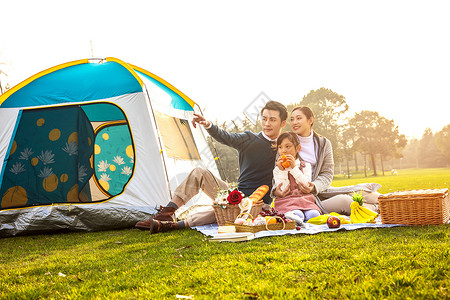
x,y
387,56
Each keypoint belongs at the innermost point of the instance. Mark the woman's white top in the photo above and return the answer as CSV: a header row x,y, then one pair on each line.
x,y
307,152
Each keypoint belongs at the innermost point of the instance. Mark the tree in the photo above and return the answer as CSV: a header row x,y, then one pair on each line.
x,y
374,135
391,141
431,151
226,159
443,142
348,146
329,109
410,154
247,124
364,125
429,154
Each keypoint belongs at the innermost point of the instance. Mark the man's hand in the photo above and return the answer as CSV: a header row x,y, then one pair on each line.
x,y
200,120
280,193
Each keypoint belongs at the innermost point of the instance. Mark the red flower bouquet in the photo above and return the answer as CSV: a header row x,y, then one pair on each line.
x,y
235,197
229,196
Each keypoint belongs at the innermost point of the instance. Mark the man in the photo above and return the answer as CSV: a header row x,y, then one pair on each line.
x,y
256,163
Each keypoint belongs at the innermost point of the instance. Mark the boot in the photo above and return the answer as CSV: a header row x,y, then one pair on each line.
x,y
164,214
157,226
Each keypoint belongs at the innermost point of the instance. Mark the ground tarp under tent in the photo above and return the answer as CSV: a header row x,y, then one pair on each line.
x,y
92,145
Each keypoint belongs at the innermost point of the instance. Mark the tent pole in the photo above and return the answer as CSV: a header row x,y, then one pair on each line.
x,y
160,145
214,147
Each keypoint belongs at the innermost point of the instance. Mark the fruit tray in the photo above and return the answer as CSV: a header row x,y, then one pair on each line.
x,y
256,228
229,212
415,207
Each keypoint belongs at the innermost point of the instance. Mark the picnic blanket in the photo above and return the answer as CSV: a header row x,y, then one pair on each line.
x,y
211,229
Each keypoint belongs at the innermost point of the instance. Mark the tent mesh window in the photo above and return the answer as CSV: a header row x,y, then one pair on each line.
x,y
177,137
114,157
49,161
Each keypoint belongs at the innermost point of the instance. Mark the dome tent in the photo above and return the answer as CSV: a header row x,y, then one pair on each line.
x,y
93,145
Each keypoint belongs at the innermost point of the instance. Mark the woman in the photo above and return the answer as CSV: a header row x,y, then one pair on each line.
x,y
317,151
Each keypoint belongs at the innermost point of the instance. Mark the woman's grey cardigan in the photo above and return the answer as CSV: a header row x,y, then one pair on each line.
x,y
324,169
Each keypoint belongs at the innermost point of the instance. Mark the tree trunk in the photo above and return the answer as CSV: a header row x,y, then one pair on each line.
x,y
417,158
365,165
374,166
382,165
356,162
348,169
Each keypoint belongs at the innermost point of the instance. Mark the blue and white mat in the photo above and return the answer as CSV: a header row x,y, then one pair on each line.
x,y
211,229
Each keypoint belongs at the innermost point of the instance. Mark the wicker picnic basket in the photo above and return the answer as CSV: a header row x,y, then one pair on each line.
x,y
415,207
228,212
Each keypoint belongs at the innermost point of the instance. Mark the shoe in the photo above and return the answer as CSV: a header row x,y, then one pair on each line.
x,y
162,226
164,214
144,225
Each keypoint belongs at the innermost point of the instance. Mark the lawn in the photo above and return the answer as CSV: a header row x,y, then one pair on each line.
x,y
395,263
407,179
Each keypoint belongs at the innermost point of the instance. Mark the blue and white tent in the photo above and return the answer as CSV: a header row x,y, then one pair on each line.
x,y
93,145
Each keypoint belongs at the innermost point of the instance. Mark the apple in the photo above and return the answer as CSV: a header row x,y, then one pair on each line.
x,y
333,222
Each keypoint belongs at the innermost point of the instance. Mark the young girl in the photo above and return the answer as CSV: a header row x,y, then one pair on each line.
x,y
296,206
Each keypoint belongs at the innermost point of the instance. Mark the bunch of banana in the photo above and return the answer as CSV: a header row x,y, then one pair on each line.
x,y
322,219
361,214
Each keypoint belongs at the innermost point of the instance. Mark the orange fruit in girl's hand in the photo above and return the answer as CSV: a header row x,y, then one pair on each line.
x,y
285,163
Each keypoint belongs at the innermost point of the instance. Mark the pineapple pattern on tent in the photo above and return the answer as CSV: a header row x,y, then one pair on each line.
x,y
49,160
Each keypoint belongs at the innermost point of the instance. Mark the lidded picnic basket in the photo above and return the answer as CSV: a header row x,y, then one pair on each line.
x,y
228,212
415,207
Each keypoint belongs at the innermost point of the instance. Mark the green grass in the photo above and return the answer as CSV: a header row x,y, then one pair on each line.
x,y
394,263
406,179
